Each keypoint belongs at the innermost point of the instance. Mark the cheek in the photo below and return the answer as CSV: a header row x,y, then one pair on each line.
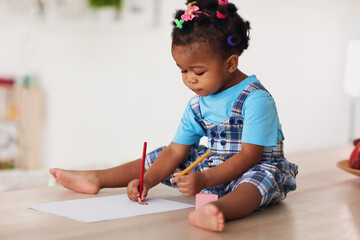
x,y
214,79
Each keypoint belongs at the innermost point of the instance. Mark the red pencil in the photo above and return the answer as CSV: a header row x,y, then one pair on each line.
x,y
142,171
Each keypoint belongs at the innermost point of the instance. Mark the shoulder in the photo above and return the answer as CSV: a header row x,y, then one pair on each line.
x,y
259,100
259,106
257,93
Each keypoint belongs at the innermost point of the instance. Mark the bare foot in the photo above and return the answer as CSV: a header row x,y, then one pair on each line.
x,y
208,217
78,181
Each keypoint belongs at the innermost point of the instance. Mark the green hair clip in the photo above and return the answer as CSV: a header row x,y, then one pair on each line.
x,y
179,23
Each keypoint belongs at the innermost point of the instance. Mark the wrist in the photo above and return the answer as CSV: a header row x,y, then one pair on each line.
x,y
205,180
149,181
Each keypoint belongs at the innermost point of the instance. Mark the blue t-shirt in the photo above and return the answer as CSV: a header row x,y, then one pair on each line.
x,y
261,122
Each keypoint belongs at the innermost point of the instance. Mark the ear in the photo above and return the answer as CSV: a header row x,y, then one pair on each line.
x,y
232,63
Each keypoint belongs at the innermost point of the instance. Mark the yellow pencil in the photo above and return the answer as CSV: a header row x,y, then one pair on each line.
x,y
195,163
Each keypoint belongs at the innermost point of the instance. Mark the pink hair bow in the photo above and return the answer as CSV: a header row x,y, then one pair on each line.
x,y
190,13
223,2
220,15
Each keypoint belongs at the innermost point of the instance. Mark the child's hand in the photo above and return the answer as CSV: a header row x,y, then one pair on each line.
x,y
132,190
191,183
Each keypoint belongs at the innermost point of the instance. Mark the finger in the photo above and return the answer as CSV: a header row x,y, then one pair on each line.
x,y
181,184
135,193
140,198
132,191
183,188
129,193
144,194
186,192
174,180
182,178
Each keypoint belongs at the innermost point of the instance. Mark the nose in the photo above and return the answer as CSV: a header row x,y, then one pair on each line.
x,y
190,79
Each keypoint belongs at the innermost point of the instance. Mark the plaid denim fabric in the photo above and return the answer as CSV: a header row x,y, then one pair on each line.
x,y
191,157
225,138
274,176
274,179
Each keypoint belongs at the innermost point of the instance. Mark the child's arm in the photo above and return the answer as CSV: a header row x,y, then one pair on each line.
x,y
229,170
165,164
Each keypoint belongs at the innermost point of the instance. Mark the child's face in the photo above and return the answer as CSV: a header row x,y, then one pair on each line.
x,y
203,70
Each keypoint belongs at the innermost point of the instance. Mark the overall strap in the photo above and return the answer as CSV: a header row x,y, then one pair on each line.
x,y
238,105
195,106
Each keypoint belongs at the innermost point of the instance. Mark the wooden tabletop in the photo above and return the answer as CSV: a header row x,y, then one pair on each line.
x,y
326,205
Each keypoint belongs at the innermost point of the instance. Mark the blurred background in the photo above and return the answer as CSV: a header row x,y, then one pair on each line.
x,y
83,83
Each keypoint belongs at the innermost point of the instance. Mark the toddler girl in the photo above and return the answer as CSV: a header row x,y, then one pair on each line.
x,y
247,168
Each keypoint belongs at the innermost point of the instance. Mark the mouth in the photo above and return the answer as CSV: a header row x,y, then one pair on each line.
x,y
195,90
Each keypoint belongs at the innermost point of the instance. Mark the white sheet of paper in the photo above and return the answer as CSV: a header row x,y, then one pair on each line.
x,y
107,208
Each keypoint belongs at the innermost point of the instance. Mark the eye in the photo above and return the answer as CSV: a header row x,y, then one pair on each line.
x,y
183,71
199,74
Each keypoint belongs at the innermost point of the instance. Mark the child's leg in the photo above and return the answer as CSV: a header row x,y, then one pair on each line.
x,y
92,181
237,204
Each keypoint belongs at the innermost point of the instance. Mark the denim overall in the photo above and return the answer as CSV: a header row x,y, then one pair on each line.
x,y
274,176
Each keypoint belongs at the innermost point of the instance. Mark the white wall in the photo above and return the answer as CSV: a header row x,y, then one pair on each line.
x,y
111,87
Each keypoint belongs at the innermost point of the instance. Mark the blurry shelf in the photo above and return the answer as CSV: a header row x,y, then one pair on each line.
x,y
21,127
30,121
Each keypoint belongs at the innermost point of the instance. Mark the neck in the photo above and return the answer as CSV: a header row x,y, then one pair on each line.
x,y
239,76
236,77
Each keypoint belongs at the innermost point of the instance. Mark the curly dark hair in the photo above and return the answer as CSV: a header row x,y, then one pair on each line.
x,y
207,27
